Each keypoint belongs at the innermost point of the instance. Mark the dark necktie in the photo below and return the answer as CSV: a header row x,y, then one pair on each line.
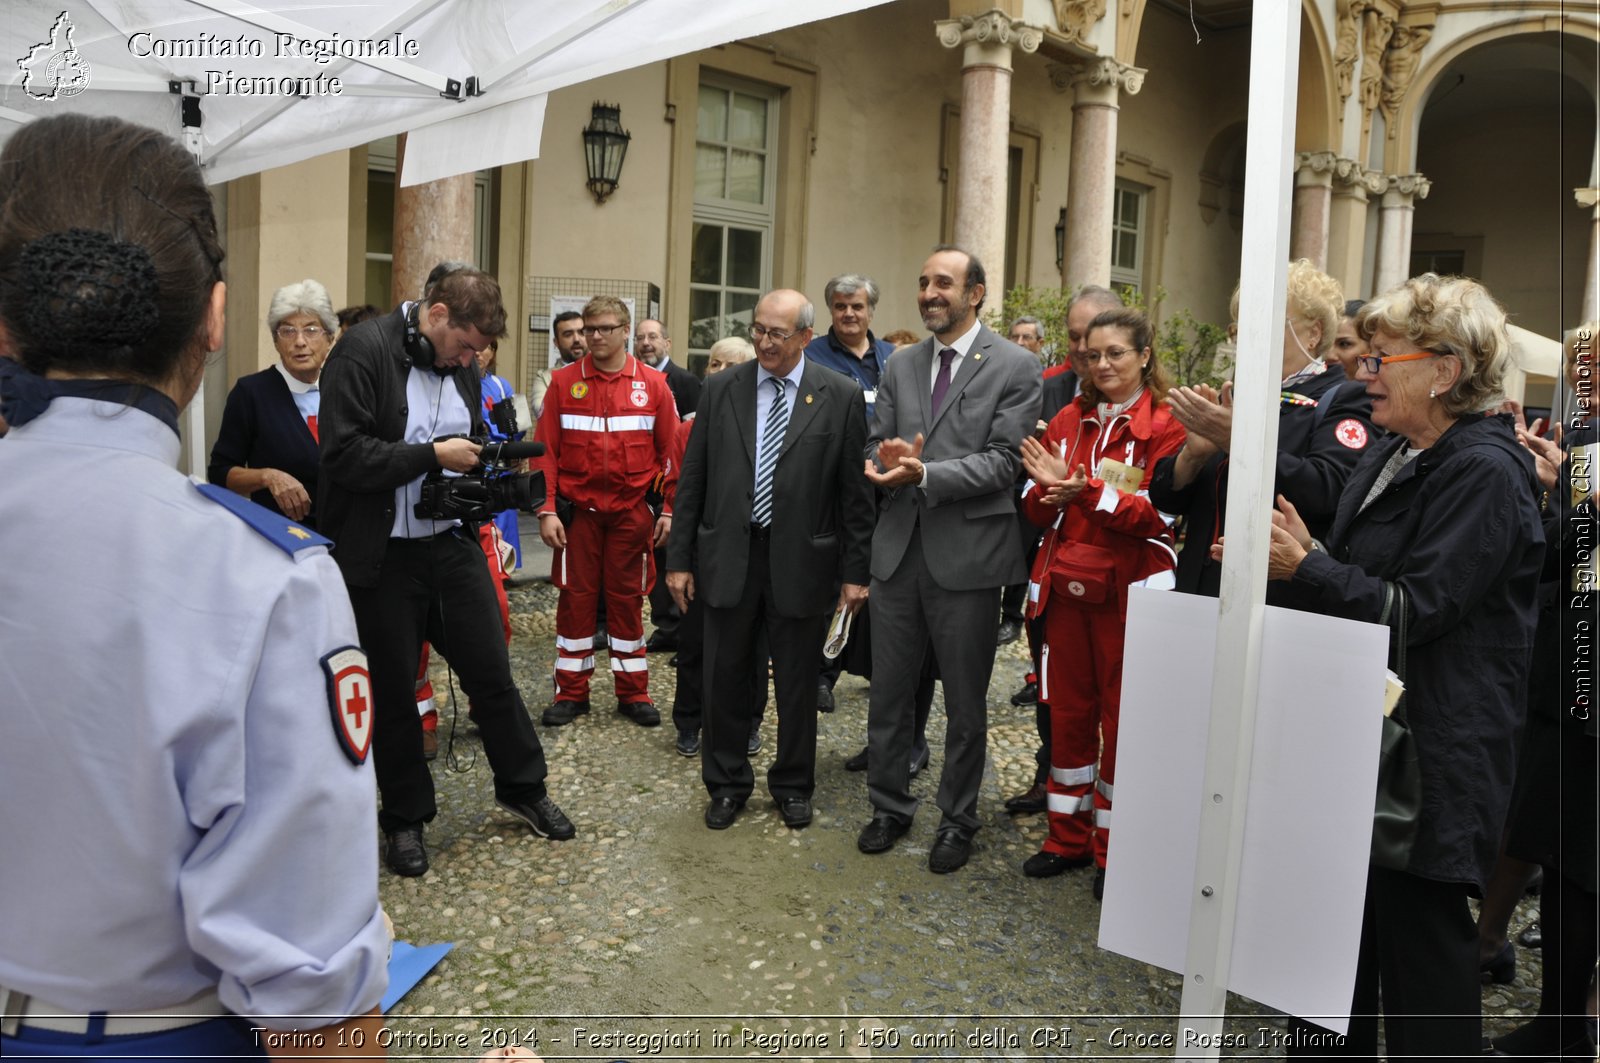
x,y
767,459
941,383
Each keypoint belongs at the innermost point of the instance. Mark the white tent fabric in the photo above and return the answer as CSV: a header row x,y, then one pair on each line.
x,y
392,61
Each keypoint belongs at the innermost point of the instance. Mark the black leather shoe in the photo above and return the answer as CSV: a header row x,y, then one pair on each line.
x,y
1031,801
1532,937
406,855
641,712
880,834
561,713
857,762
721,811
950,850
1028,695
688,742
1045,864
1010,631
753,745
660,642
920,761
824,696
546,819
796,812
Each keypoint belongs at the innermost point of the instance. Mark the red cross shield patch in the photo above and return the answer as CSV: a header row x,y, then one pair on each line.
x,y
350,700
1351,432
639,398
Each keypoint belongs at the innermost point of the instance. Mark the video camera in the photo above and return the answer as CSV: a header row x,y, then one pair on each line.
x,y
494,486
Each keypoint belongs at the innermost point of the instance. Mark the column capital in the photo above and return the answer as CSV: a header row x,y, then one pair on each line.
x,y
1350,177
1402,189
988,39
1104,72
1586,197
1314,168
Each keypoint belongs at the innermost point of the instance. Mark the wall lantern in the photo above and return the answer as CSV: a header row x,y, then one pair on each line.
x,y
605,145
1061,239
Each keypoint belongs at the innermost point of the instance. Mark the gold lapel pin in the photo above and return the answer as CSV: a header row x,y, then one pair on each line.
x,y
808,400
977,358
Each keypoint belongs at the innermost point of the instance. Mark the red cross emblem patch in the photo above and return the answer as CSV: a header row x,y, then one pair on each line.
x,y
639,398
1351,432
350,701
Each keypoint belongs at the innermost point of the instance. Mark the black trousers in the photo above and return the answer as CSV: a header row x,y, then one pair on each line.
x,y
439,589
732,639
1419,949
688,698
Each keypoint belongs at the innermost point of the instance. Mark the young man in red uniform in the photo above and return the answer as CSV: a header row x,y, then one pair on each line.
x,y
608,428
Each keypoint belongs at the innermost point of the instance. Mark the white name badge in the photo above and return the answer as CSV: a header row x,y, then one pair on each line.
x,y
872,396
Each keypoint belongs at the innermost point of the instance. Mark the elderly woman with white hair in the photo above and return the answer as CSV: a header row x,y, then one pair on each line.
x,y
267,446
1438,536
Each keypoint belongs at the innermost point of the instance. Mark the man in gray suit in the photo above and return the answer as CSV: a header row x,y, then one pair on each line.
x,y
950,418
773,508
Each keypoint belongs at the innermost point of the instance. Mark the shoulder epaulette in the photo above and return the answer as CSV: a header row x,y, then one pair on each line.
x,y
277,529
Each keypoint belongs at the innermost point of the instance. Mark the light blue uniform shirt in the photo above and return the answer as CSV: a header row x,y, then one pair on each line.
x,y
176,813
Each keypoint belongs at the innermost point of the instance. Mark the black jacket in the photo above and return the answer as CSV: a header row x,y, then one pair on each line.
x,y
262,429
1318,446
684,385
361,424
1459,528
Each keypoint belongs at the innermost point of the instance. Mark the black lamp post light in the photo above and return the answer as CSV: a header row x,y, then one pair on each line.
x,y
605,145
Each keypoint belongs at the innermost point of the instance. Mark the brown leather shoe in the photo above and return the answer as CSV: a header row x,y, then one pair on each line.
x,y
1032,801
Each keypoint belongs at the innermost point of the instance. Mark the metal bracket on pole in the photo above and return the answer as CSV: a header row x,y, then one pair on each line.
x,y
1274,63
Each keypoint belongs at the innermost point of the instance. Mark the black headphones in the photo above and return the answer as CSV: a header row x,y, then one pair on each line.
x,y
418,346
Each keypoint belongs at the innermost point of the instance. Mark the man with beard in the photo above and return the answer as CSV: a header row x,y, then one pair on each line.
x,y
944,447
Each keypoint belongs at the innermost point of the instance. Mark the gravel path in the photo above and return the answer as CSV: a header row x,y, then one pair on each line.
x,y
659,939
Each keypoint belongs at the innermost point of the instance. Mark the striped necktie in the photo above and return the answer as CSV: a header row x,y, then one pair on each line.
x,y
767,460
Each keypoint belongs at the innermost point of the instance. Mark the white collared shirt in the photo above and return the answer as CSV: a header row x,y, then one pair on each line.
x,y
961,346
765,398
307,397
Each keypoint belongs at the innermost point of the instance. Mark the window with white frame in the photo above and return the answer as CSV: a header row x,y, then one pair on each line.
x,y
1129,225
730,258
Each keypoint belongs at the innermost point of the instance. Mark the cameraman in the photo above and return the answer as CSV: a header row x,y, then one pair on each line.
x,y
402,382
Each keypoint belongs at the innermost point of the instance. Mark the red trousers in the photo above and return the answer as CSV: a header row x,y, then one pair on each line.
x,y
1080,677
618,545
496,570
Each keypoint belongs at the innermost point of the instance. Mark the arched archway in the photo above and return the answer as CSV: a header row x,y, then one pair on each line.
x,y
1503,129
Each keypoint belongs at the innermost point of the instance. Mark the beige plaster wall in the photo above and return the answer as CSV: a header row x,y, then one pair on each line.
x,y
1192,93
1535,240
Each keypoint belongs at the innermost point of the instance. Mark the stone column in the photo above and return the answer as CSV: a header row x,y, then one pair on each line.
x,y
1400,193
432,224
1347,224
1313,200
986,42
1093,168
1590,198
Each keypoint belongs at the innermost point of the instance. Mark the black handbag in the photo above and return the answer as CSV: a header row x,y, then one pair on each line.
x,y
1399,803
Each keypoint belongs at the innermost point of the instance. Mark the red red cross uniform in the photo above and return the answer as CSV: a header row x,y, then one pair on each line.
x,y
606,437
1098,545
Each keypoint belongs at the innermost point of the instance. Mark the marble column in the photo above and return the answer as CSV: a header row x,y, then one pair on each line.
x,y
1313,200
1590,198
1353,185
432,224
1093,168
1400,194
986,42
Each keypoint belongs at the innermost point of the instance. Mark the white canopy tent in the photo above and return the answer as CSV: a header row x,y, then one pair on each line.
x,y
277,81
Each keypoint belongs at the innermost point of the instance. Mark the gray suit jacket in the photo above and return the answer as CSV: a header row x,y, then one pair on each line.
x,y
967,510
821,501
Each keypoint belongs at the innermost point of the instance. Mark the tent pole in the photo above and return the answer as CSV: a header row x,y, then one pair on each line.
x,y
1274,64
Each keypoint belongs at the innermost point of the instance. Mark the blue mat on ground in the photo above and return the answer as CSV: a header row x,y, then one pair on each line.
x,y
408,965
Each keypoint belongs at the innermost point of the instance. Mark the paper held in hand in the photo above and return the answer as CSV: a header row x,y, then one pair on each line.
x,y
838,634
1124,478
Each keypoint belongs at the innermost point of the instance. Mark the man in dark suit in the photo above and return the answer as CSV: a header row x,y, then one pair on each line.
x,y
772,506
653,347
950,418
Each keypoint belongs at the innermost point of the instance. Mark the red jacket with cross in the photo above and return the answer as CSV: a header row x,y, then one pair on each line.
x,y
606,436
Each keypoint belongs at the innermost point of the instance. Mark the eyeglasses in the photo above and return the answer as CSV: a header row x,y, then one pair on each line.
x,y
1110,354
1374,362
599,330
312,333
761,332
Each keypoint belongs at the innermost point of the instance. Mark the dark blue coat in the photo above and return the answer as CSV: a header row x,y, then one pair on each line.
x,y
262,429
1459,528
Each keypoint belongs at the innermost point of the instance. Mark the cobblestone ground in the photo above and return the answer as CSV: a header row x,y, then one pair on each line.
x,y
788,943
